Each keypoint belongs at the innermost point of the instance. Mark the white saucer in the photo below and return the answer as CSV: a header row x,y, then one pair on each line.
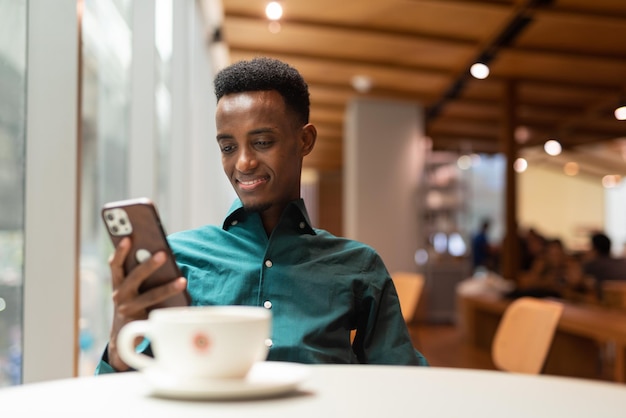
x,y
265,379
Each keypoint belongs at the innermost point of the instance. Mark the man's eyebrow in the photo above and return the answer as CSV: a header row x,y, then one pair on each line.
x,y
261,131
223,136
256,131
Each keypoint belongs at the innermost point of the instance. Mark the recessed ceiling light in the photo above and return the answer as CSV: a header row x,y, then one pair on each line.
x,y
611,180
552,147
520,165
273,10
274,26
620,113
362,83
571,168
522,134
479,70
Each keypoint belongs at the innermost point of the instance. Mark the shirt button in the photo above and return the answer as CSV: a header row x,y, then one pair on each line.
x,y
269,343
302,225
268,263
235,222
267,304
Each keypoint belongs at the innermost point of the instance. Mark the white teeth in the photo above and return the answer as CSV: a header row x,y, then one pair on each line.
x,y
250,182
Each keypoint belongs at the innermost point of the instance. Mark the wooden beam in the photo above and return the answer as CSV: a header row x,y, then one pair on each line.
x,y
510,249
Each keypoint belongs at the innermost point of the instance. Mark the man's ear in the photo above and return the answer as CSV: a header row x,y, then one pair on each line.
x,y
308,137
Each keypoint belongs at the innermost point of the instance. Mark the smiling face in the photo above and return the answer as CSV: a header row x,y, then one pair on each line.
x,y
262,148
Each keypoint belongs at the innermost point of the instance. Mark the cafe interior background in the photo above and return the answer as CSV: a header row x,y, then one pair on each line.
x,y
111,99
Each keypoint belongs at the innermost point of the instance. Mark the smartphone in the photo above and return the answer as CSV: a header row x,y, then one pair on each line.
x,y
139,219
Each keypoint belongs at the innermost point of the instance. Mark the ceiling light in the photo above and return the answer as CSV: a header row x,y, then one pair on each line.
x,y
620,112
274,27
479,70
520,165
362,83
273,10
552,147
611,180
571,168
522,134
464,162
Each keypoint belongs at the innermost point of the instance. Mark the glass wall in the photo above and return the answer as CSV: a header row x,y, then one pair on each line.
x,y
107,118
106,90
13,20
119,92
163,31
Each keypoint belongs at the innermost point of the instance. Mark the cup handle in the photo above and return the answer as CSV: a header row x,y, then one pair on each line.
x,y
126,345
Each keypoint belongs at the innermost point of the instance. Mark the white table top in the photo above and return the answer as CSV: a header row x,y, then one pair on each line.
x,y
335,391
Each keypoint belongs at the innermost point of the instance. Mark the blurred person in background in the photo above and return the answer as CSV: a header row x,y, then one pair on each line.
x,y
547,274
483,253
532,245
579,287
600,264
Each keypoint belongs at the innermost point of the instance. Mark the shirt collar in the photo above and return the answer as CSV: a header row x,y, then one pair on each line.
x,y
295,213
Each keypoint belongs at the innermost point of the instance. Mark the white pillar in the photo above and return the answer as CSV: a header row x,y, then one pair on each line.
x,y
383,160
51,216
142,153
210,191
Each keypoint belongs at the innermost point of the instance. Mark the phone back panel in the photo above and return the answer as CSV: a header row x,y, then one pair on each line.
x,y
139,220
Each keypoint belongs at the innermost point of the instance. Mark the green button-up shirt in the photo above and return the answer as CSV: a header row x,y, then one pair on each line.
x,y
318,286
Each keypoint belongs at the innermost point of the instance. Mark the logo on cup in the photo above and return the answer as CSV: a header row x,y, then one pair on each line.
x,y
201,342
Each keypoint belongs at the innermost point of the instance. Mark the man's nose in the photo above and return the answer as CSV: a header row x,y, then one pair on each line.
x,y
247,160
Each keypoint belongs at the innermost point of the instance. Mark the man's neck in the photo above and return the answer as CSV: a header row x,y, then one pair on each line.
x,y
271,216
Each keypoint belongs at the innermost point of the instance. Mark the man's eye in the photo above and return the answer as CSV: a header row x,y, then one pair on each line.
x,y
263,144
227,149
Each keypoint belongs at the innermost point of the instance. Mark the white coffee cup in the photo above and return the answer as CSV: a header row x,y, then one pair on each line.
x,y
215,342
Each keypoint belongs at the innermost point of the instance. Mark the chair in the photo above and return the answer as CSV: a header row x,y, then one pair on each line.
x,y
614,294
409,287
524,335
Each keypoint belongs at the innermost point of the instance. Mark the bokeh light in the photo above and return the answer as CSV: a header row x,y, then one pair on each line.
x,y
571,168
273,10
552,147
479,71
611,180
520,165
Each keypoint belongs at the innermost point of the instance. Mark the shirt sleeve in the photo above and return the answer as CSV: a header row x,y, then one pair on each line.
x,y
104,367
382,334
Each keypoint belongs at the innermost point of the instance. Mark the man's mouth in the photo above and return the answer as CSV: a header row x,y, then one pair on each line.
x,y
252,183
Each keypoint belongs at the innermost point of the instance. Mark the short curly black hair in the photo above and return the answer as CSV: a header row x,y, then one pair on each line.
x,y
262,73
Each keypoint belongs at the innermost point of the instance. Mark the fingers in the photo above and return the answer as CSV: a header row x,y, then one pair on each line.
x,y
126,289
139,304
140,273
126,297
116,262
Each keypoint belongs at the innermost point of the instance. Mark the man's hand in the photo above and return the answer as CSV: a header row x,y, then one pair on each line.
x,y
130,305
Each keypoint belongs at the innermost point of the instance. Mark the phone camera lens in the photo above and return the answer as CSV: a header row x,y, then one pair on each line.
x,y
110,216
122,221
114,229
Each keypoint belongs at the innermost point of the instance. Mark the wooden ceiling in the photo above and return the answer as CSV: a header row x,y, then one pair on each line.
x,y
561,63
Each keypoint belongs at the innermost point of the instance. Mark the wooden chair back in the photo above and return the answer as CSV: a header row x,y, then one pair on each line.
x,y
614,294
409,287
524,335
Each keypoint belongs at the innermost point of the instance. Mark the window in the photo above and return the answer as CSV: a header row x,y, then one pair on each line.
x,y
13,18
105,136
